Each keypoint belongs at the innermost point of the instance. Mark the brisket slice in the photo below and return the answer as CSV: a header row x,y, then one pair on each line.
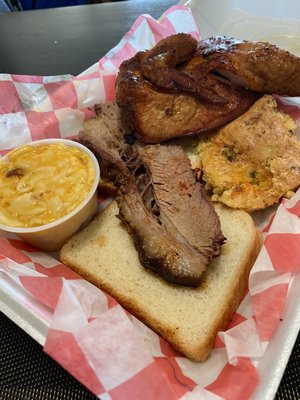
x,y
174,226
104,136
172,257
182,200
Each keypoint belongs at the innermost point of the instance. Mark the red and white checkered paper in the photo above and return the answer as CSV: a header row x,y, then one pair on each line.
x,y
90,334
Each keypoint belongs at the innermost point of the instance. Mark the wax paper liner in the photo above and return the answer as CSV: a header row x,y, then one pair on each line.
x,y
90,334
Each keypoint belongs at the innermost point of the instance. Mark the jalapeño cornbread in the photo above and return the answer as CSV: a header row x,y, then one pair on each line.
x,y
42,183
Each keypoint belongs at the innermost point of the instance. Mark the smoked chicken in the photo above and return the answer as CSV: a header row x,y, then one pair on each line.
x,y
181,87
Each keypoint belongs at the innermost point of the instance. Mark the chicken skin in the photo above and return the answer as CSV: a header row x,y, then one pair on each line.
x,y
181,87
162,68
155,115
259,66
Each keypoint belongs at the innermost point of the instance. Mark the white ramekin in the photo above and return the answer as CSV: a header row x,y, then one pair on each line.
x,y
51,236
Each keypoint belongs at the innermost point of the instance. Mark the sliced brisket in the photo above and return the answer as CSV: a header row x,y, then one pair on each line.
x,y
104,135
182,200
174,225
169,255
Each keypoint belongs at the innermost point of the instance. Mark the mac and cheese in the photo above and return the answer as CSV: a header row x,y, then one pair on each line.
x,y
40,184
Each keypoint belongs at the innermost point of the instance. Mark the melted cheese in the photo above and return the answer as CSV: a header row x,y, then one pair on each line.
x,y
40,184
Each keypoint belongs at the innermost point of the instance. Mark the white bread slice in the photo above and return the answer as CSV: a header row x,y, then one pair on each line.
x,y
188,318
